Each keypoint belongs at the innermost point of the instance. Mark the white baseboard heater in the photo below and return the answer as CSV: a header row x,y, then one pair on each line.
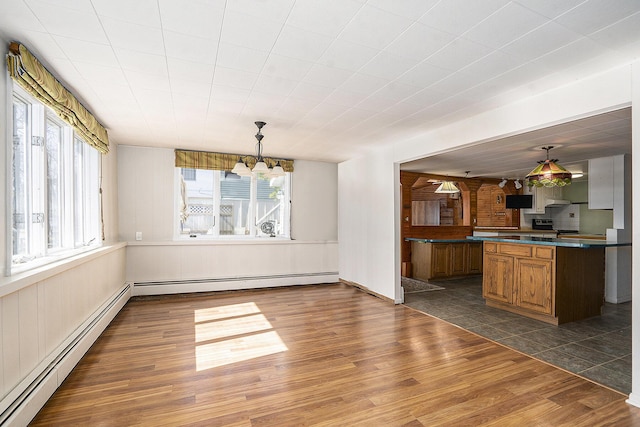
x,y
232,283
27,398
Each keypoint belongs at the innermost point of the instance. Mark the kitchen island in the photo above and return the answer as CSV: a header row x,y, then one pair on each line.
x,y
548,279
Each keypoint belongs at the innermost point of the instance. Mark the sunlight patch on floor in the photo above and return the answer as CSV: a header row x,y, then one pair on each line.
x,y
225,312
231,327
232,334
238,349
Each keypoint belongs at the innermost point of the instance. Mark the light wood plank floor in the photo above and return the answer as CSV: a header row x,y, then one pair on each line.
x,y
328,355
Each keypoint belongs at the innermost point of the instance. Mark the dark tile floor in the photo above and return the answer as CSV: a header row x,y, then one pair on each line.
x,y
598,348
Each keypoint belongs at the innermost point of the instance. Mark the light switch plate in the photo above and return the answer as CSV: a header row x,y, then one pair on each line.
x,y
138,235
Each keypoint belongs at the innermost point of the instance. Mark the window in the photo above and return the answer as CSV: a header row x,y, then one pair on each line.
x,y
189,174
55,187
218,203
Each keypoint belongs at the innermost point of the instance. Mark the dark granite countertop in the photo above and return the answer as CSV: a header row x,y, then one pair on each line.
x,y
547,241
413,239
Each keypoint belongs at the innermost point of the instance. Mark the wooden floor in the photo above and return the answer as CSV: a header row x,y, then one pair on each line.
x,y
328,355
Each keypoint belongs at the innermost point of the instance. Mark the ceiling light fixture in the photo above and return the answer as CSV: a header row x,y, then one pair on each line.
x,y
548,173
502,183
447,187
517,184
261,166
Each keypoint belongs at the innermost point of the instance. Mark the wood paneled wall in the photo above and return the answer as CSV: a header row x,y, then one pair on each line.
x,y
471,209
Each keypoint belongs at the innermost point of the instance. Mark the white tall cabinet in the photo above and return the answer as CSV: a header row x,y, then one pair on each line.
x,y
601,182
610,188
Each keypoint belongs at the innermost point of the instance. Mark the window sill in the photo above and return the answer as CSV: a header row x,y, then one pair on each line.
x,y
222,242
17,281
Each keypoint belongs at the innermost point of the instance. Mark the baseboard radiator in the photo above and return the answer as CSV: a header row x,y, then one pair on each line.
x,y
231,283
24,402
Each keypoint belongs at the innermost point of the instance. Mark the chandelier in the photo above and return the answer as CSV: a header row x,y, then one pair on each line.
x,y
548,173
260,168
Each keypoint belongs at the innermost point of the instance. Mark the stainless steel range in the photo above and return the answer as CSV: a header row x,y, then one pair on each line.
x,y
542,224
547,224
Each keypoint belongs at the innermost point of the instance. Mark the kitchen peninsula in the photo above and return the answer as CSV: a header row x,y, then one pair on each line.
x,y
548,279
444,258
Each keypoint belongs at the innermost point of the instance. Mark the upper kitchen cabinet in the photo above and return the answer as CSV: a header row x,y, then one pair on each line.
x,y
603,174
542,196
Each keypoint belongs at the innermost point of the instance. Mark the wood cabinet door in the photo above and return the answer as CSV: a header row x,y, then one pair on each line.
x,y
440,260
534,285
475,258
459,257
497,279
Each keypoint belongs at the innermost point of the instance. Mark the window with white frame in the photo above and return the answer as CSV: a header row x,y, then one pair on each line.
x,y
55,201
215,203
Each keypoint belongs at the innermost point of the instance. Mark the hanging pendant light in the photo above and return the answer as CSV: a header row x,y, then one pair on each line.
x,y
447,187
548,173
260,166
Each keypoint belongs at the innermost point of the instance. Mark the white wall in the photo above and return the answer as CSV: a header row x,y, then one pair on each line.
x,y
368,223
634,398
314,201
146,191
110,194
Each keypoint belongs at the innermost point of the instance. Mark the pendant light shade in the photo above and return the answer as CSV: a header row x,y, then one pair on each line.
x,y
277,170
241,168
260,167
447,187
548,173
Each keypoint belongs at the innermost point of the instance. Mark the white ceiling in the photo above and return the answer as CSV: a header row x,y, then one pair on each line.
x,y
331,78
573,143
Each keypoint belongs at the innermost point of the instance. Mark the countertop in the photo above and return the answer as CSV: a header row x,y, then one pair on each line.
x,y
514,230
547,241
413,239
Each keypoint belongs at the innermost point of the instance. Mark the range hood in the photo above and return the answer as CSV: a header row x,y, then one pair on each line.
x,y
550,203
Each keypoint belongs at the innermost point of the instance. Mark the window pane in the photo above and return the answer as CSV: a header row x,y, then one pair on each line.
x,y
19,162
55,199
78,192
92,194
198,196
235,192
189,174
271,206
220,203
54,185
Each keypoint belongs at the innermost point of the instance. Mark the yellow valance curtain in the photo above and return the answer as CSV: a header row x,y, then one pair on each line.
x,y
29,73
222,161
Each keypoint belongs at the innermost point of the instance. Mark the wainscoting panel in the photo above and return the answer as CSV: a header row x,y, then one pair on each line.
x,y
171,267
50,321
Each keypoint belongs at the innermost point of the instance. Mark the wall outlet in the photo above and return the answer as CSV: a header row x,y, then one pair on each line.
x,y
572,215
138,235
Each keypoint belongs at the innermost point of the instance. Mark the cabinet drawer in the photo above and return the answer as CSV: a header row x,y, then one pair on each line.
x,y
517,250
490,247
545,252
